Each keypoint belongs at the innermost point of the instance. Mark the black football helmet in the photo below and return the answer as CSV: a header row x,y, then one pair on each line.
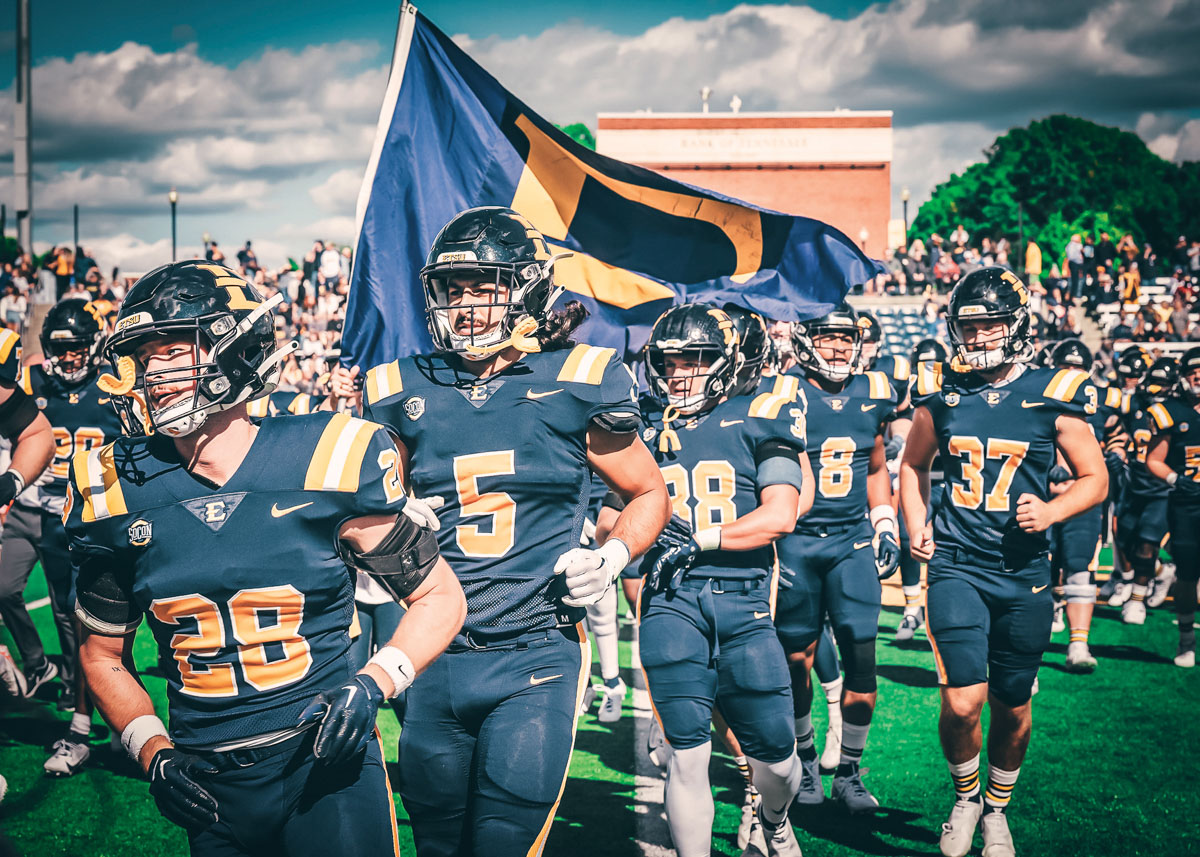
x,y
235,357
843,319
1133,364
498,246
752,343
1189,362
930,351
73,327
991,294
702,332
1161,379
1071,354
872,339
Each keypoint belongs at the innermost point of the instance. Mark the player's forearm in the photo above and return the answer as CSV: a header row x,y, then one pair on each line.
x,y
435,614
115,687
1160,470
33,450
914,495
774,518
879,487
643,518
1088,490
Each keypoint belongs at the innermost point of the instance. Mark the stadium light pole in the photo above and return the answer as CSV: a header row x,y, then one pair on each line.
x,y
173,198
904,199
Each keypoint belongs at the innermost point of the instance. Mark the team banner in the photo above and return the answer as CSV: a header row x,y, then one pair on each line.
x,y
450,137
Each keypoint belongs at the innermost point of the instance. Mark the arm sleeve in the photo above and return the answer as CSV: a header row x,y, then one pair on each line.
x,y
104,600
17,411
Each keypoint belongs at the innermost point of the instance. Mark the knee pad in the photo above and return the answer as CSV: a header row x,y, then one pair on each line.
x,y
1080,588
858,662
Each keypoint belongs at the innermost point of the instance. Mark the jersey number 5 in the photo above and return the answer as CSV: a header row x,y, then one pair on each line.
x,y
969,493
497,505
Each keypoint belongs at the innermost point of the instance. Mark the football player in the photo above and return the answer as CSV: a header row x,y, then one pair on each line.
x,y
1172,458
735,470
996,426
32,439
839,551
1142,514
234,539
503,424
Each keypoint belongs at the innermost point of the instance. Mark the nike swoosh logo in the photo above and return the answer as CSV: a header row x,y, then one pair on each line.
x,y
1028,404
1037,589
866,408
103,401
535,681
532,395
276,512
758,615
728,423
861,545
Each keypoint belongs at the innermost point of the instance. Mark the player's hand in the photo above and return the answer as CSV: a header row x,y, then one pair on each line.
x,y
887,555
589,573
420,511
1034,514
343,383
670,565
921,544
347,717
588,535
10,487
174,786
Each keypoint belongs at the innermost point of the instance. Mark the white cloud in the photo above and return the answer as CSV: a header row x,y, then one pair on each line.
x,y
338,193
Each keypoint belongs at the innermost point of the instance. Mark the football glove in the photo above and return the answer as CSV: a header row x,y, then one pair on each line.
x,y
347,718
11,484
174,786
589,573
420,511
676,551
887,555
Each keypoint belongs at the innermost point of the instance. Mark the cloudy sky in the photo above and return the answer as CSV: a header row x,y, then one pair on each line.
x,y
262,113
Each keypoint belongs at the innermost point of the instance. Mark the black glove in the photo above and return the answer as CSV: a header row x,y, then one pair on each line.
x,y
10,486
892,448
887,555
677,550
175,789
347,717
1059,474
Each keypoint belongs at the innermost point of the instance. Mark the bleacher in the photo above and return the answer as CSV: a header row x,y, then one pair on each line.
x,y
1152,291
903,326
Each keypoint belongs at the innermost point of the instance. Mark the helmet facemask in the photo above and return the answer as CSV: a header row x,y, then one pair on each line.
x,y
1011,347
804,339
694,390
59,344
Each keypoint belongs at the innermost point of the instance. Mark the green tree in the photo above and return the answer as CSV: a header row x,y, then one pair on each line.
x,y
1068,175
580,133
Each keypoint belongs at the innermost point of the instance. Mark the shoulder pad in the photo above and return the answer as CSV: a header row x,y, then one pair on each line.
x,y
929,378
585,364
880,388
27,380
1063,385
766,406
383,381
1161,416
259,408
302,404
10,355
338,456
95,475
1112,398
786,385
901,368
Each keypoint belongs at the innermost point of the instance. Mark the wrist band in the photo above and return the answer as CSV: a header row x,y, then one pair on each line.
x,y
19,479
1172,478
138,733
883,519
708,539
397,665
616,556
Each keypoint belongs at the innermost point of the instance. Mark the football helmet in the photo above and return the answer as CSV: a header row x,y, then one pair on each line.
x,y
872,339
1161,379
235,357
1133,364
1189,362
1071,354
930,351
73,326
845,320
752,343
699,331
991,294
495,245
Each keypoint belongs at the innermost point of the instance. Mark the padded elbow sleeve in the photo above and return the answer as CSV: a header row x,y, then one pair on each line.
x,y
401,561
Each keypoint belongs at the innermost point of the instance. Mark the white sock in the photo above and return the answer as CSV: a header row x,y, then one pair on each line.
x,y
854,739
602,619
81,724
833,699
778,783
804,732
689,801
912,599
999,788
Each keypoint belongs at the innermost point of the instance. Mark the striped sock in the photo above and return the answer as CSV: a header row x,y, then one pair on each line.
x,y
805,740
912,598
744,769
833,700
854,739
1139,592
966,778
1079,635
999,788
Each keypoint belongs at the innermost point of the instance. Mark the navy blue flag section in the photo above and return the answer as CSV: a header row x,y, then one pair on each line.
x,y
450,137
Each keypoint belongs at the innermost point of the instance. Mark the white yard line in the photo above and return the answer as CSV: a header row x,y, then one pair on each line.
x,y
33,605
653,837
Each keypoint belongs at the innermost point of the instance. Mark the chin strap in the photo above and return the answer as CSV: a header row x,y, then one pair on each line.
x,y
668,440
126,377
523,338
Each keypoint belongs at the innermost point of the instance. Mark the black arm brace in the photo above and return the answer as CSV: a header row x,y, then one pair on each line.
x,y
401,561
618,423
103,596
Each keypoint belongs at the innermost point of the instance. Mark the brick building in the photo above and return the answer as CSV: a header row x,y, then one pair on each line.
x,y
833,166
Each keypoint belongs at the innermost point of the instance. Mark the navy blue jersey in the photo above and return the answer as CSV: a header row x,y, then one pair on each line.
x,y
997,442
842,428
82,417
1180,422
1108,410
899,373
243,587
282,403
1138,424
507,455
10,357
711,472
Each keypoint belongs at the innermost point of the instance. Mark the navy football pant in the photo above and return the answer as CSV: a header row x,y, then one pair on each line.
x,y
487,738
289,804
712,643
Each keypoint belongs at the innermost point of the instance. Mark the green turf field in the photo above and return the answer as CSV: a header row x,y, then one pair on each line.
x,y
1111,770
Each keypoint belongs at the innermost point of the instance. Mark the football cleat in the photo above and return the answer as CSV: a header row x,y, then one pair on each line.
x,y
781,840
1134,613
1121,594
1058,625
68,757
832,753
1186,657
812,791
750,829
997,841
958,831
848,789
611,700
1033,691
657,747
589,696
1161,585
1079,658
11,676
1108,587
33,682
909,625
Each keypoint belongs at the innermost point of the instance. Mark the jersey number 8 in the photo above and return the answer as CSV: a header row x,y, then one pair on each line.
x,y
712,487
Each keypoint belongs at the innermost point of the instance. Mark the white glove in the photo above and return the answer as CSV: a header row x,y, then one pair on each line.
x,y
421,511
585,538
589,573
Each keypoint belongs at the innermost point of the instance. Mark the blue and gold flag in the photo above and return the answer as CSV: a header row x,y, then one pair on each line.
x,y
451,137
